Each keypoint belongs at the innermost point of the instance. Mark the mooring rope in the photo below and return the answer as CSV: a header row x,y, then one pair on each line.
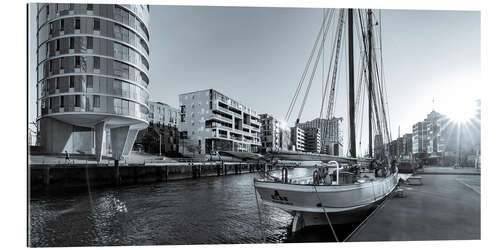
x,y
324,211
258,209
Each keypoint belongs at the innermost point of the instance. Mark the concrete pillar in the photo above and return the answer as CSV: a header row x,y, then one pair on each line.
x,y
122,140
100,130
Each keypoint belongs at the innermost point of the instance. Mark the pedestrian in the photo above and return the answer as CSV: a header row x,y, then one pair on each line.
x,y
67,156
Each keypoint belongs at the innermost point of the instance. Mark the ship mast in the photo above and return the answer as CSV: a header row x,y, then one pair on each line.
x,y
370,85
352,126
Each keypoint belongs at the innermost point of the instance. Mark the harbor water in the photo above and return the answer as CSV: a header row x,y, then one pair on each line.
x,y
211,210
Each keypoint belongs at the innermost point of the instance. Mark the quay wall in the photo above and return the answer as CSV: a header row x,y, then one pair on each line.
x,y
62,176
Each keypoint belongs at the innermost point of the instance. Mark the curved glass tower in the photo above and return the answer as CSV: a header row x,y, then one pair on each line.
x,y
93,76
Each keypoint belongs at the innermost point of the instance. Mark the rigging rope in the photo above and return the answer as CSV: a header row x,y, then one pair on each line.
x,y
313,73
306,69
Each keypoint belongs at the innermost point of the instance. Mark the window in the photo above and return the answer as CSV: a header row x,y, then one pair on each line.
x,y
51,28
50,103
77,62
57,45
61,101
90,6
97,62
97,25
77,101
71,81
97,101
62,25
77,23
90,42
47,8
90,83
57,83
61,64
71,43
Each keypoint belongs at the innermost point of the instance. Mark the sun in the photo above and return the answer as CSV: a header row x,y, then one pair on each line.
x,y
460,111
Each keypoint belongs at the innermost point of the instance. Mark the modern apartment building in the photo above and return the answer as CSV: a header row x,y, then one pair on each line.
x,y
215,122
331,134
297,139
93,77
312,140
163,114
419,139
274,135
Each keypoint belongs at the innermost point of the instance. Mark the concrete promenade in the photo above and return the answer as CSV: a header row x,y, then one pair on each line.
x,y
446,207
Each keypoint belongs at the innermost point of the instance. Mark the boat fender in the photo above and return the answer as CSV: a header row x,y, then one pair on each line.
x,y
284,175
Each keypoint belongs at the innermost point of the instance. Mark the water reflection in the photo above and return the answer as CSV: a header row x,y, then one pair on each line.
x,y
204,211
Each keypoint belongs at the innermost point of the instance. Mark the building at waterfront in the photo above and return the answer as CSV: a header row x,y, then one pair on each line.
x,y
419,140
331,134
274,134
297,139
93,77
430,137
159,139
163,114
312,140
211,121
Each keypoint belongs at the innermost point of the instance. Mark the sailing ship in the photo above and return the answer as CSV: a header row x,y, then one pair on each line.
x,y
337,190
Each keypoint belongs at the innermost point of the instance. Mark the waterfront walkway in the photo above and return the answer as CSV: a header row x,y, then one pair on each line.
x,y
446,207
449,170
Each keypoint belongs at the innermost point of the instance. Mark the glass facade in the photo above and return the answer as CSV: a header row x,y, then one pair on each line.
x,y
93,58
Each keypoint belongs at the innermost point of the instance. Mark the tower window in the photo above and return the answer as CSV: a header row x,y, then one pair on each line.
x,y
90,42
62,25
61,101
90,83
71,81
90,6
97,62
97,101
97,25
77,101
57,45
71,42
77,62
77,23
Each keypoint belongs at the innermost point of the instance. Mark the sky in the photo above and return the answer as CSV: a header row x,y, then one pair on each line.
x,y
256,55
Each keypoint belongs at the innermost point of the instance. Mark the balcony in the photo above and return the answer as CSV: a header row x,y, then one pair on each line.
x,y
222,118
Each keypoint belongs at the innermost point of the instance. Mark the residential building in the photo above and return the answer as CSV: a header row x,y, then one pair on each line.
x,y
93,77
331,134
163,114
211,121
312,140
407,150
297,139
419,140
274,134
159,139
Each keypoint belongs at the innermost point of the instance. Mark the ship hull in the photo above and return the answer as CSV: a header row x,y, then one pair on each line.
x,y
308,203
